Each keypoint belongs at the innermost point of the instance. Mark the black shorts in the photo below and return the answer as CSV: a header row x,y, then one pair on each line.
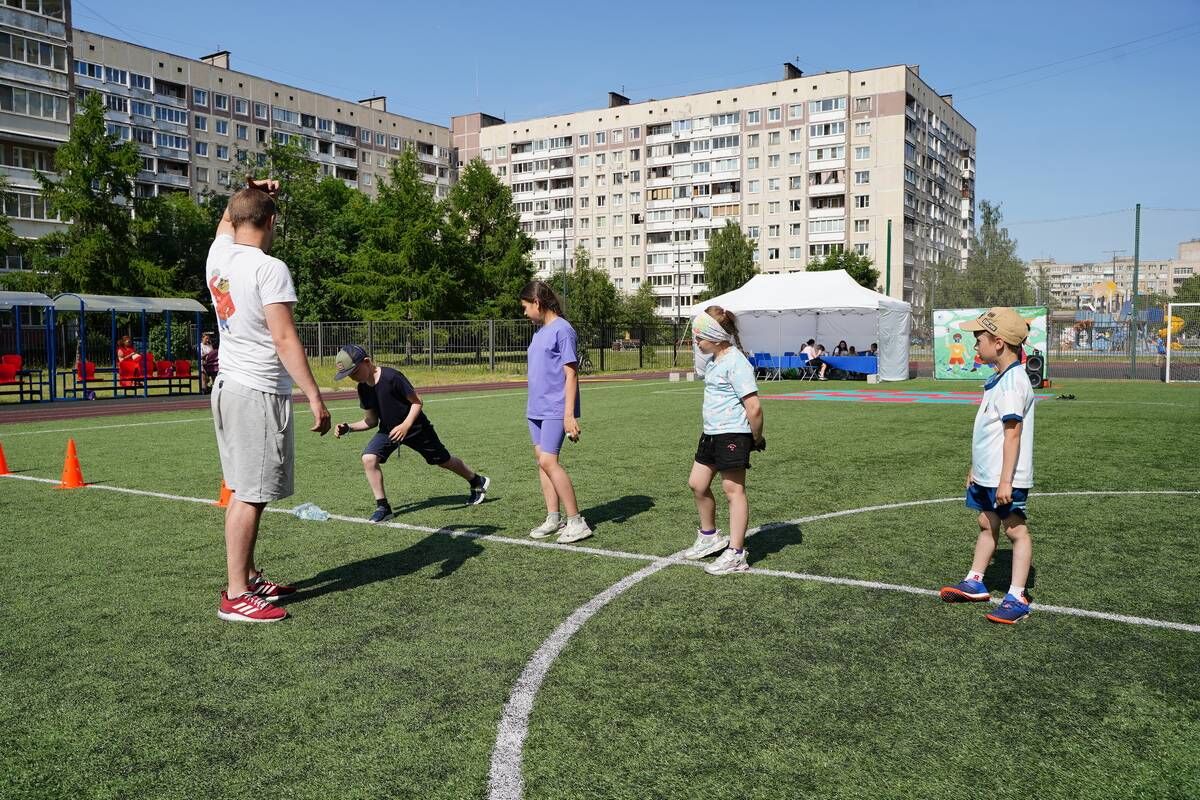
x,y
724,451
424,440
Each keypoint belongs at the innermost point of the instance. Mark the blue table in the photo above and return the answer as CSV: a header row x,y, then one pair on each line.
x,y
866,365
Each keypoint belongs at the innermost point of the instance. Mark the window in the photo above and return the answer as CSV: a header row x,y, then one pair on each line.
x,y
862,153
773,161
796,182
583,139
223,127
114,103
795,110
284,115
241,106
773,138
170,140
201,122
773,207
121,132
601,138
862,177
40,54
27,206
862,225
772,254
366,179
260,110
827,226
202,174
774,114
243,132
795,159
366,157
324,125
826,153
223,152
139,81
753,117
752,209
754,187
396,146
831,104
752,162
143,136
167,114
862,248
773,231
32,104
200,97
772,184
795,253
795,134
752,140
111,75
862,201
728,118
380,140
862,104
827,129
862,129
202,148
221,102
796,229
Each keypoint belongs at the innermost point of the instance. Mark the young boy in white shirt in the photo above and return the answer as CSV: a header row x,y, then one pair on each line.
x,y
1001,473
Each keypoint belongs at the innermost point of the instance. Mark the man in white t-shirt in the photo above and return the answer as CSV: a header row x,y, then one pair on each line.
x,y
1001,473
261,355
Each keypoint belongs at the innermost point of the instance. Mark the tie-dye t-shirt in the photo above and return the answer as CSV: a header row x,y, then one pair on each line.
x,y
726,381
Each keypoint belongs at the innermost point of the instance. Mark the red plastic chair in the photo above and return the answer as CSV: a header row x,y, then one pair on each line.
x,y
183,368
17,362
8,373
129,373
163,369
86,371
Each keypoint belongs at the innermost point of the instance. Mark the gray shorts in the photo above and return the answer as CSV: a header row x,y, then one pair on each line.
x,y
256,440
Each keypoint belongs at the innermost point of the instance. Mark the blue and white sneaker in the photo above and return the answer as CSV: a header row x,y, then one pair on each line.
x,y
1011,611
382,514
479,488
965,591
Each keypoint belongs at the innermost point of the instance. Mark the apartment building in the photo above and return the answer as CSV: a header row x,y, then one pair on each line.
x,y
807,165
194,119
1105,285
35,109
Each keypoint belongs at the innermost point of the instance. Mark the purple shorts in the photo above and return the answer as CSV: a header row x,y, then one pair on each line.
x,y
547,434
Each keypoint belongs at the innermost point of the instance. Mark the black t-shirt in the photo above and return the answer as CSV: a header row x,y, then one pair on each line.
x,y
389,399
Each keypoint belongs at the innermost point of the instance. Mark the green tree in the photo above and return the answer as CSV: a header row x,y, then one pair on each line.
x,y
590,296
484,230
730,261
639,306
857,265
174,232
994,275
1189,292
7,237
400,270
93,189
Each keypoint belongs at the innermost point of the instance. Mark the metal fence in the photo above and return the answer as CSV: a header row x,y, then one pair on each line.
x,y
497,345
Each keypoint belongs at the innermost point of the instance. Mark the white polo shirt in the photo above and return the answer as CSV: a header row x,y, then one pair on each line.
x,y
1007,396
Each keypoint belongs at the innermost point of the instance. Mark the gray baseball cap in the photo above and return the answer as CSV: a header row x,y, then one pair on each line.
x,y
349,357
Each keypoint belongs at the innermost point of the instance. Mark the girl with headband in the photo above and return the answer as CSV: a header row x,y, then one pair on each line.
x,y
733,426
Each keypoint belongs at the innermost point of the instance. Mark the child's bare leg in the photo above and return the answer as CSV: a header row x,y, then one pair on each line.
x,y
985,545
733,481
374,474
1017,531
456,465
700,482
548,491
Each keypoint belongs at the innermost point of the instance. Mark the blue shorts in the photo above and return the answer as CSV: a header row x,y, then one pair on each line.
x,y
983,498
547,434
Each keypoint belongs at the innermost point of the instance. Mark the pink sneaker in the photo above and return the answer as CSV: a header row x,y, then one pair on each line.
x,y
268,590
249,607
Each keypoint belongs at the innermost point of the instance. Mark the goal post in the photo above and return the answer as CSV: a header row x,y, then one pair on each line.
x,y
1182,343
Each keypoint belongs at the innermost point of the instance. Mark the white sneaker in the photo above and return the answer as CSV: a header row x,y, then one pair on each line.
x,y
728,562
546,529
706,545
574,531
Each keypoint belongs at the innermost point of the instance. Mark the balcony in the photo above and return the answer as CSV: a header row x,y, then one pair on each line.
x,y
165,178
826,213
824,189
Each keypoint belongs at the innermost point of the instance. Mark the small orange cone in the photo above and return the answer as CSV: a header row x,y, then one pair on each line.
x,y
72,475
3,462
226,494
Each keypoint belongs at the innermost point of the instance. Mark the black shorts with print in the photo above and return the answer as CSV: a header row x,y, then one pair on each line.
x,y
724,451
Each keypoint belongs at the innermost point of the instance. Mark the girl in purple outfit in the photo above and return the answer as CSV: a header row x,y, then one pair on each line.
x,y
553,409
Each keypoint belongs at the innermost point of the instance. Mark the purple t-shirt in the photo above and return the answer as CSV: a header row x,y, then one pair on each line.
x,y
552,348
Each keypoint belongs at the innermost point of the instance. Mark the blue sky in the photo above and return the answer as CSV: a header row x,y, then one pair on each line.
x,y
1066,134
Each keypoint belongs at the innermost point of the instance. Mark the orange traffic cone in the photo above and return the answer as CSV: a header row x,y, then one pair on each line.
x,y
226,494
3,462
72,476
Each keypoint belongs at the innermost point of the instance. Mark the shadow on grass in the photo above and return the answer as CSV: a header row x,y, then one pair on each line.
x,y
620,510
450,552
443,501
998,576
773,539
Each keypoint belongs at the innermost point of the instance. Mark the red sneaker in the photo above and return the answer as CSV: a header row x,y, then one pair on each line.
x,y
267,590
249,607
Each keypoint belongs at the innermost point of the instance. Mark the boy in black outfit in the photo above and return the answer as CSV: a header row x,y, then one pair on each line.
x,y
391,402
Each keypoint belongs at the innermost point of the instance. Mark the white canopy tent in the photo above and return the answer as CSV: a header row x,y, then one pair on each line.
x,y
779,313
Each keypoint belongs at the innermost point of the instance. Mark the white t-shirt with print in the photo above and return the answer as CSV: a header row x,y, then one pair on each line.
x,y
242,280
727,380
1007,396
